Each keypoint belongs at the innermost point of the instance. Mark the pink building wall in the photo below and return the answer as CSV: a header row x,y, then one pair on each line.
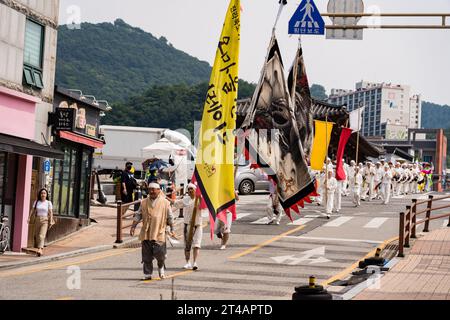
x,y
17,113
22,205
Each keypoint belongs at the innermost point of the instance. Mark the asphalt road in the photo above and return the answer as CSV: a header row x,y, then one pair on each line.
x,y
261,262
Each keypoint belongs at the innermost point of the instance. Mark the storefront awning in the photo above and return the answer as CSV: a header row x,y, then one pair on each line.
x,y
23,146
91,142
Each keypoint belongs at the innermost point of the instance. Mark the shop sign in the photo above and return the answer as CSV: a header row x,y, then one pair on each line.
x,y
65,119
91,130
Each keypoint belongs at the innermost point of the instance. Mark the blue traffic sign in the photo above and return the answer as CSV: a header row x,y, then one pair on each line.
x,y
47,166
307,20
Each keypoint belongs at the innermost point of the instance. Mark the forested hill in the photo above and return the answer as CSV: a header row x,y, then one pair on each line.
x,y
435,116
117,61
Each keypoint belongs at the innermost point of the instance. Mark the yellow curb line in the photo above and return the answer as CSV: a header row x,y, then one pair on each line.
x,y
265,243
65,299
65,264
355,265
170,276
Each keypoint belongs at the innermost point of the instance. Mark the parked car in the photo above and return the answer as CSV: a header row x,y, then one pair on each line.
x,y
250,180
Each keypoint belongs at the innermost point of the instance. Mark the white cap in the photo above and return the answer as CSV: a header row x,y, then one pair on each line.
x,y
154,185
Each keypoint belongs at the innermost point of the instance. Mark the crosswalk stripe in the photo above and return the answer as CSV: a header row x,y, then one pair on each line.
x,y
264,220
375,223
242,215
300,222
338,222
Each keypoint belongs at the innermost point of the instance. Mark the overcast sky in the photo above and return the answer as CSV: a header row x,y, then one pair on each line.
x,y
419,58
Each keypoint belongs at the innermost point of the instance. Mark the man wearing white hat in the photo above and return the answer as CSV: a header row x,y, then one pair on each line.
x,y
188,204
156,215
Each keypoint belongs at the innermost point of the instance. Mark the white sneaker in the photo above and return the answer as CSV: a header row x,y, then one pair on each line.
x,y
187,266
195,267
223,247
328,216
161,273
146,277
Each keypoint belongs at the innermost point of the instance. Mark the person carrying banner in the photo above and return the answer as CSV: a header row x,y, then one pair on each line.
x,y
357,185
194,244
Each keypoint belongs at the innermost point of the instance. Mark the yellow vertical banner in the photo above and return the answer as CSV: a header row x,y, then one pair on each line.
x,y
321,142
215,156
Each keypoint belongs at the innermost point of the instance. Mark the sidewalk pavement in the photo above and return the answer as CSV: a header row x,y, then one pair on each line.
x,y
99,236
423,274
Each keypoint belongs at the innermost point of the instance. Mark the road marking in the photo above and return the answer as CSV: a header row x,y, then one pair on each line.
x,y
312,215
338,222
334,239
375,223
243,215
65,298
349,269
57,265
307,256
169,276
300,222
264,220
265,243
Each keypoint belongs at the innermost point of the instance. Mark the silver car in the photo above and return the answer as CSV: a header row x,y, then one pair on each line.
x,y
250,180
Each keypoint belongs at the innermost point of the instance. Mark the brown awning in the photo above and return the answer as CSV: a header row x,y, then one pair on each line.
x,y
27,147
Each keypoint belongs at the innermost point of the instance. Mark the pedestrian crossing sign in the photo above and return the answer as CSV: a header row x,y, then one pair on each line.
x,y
307,20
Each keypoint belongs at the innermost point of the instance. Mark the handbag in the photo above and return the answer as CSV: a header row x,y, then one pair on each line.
x,y
32,219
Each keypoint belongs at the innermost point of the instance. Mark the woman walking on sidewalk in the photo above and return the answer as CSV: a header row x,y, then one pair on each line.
x,y
42,217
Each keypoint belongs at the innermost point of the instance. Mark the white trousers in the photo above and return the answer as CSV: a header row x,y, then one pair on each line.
x,y
386,192
271,214
338,196
356,191
330,202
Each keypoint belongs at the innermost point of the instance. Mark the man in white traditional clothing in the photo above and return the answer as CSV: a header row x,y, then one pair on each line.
x,y
379,171
386,184
357,185
351,177
187,204
369,175
331,186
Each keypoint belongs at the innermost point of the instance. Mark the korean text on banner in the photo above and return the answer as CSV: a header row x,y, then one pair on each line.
x,y
215,157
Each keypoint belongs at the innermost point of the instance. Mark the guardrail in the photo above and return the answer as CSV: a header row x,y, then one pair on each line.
x,y
408,220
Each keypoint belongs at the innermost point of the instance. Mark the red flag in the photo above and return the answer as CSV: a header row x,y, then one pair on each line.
x,y
345,135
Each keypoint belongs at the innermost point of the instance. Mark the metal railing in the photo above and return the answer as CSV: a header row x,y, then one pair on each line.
x,y
408,220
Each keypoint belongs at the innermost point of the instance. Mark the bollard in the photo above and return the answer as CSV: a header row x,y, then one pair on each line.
x,y
428,214
119,222
311,292
413,219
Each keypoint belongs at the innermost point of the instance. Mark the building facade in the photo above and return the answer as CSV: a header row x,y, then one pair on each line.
x,y
390,110
75,128
28,38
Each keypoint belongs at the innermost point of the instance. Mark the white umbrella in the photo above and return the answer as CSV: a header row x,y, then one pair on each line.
x,y
161,149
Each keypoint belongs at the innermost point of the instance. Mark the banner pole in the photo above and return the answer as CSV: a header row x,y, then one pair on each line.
x,y
357,138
